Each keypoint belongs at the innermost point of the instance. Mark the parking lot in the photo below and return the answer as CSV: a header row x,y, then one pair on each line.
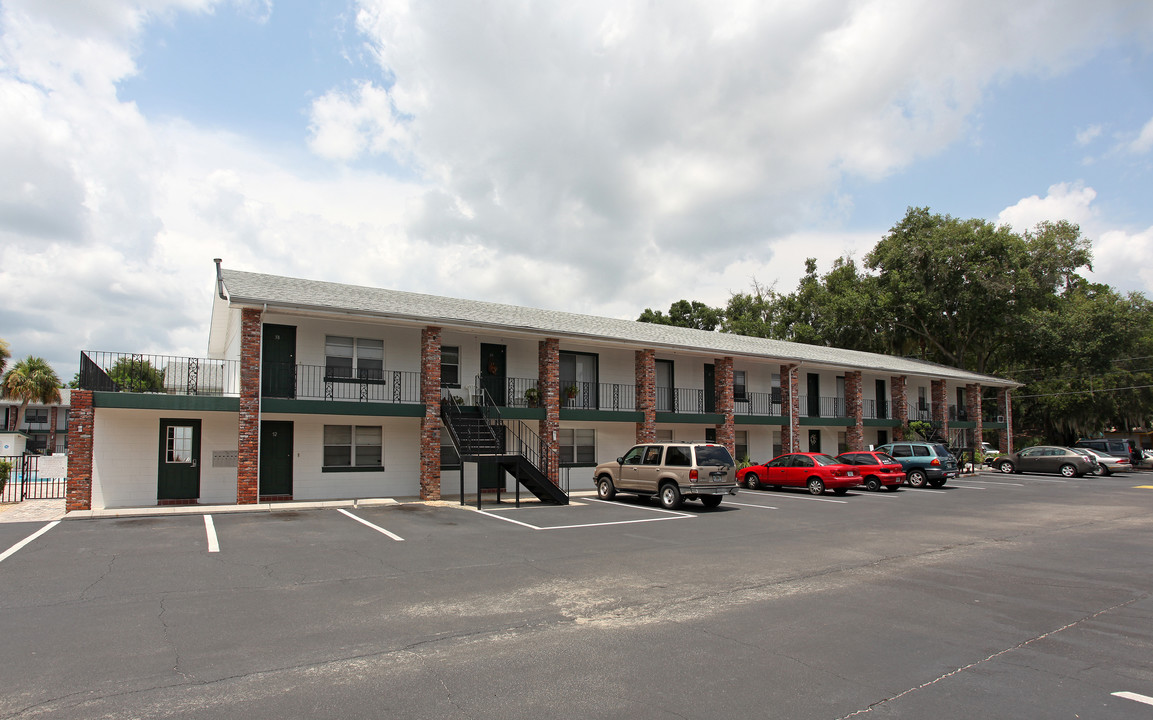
x,y
995,597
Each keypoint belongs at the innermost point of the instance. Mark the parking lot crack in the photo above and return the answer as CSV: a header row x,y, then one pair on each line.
x,y
994,656
164,629
97,581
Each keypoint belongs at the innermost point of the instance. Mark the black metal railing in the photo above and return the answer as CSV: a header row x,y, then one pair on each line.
x,y
318,382
519,438
758,403
24,481
168,374
875,409
828,407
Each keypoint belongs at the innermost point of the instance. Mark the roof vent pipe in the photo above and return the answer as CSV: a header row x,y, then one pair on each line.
x,y
219,279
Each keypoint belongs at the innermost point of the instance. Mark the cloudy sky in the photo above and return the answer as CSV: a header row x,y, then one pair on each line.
x,y
595,156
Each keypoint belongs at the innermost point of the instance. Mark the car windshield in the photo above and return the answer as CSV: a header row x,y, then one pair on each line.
x,y
714,455
826,460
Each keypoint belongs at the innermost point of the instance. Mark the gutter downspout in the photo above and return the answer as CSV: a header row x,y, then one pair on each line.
x,y
260,401
220,279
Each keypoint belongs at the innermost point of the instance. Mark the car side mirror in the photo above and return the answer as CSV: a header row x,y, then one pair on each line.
x,y
620,461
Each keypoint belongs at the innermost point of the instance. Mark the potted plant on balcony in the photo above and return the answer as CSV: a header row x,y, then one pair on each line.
x,y
532,397
571,391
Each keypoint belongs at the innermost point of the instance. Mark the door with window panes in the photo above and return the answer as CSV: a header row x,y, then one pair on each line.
x,y
178,473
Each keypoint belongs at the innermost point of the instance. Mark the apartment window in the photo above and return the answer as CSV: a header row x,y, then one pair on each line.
x,y
664,435
842,442
921,404
448,457
353,447
739,386
664,385
778,448
33,416
450,366
742,443
776,391
578,379
353,357
178,448
578,445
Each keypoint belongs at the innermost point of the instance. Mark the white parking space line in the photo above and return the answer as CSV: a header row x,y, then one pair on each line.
x,y
1134,697
1048,480
762,507
966,487
672,515
377,528
16,548
992,482
210,530
807,497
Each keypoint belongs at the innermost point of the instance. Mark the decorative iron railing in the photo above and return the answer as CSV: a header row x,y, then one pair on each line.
x,y
168,374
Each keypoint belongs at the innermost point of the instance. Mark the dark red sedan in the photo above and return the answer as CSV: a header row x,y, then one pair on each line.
x,y
816,471
877,469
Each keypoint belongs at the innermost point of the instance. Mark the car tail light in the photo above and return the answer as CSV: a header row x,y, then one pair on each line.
x,y
693,474
935,462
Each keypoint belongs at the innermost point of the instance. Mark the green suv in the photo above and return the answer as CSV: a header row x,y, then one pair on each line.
x,y
923,463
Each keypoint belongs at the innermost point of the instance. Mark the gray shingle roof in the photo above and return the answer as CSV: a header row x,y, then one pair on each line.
x,y
255,289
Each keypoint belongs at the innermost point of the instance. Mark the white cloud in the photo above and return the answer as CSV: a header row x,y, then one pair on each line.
x,y
1089,134
611,155
1065,201
1144,141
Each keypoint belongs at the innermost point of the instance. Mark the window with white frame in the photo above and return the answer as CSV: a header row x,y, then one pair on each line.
x,y
742,445
578,445
353,447
348,357
739,387
450,366
448,457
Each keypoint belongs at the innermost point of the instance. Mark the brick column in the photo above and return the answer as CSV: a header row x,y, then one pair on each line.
x,y
248,441
1005,407
791,407
646,375
723,392
973,409
855,409
548,378
79,488
52,418
430,421
899,402
940,407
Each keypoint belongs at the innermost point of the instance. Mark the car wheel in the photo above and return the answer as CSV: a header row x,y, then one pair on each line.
x,y
711,501
840,491
605,489
752,482
873,484
1068,471
940,482
916,478
670,496
1103,471
1006,467
816,486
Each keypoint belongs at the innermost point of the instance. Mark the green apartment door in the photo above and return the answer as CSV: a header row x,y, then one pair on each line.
x,y
710,388
278,361
276,457
178,471
492,371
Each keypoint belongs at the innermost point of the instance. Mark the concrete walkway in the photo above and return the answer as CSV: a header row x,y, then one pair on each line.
x,y
32,511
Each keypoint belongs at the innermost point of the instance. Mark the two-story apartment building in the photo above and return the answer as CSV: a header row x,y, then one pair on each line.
x,y
46,426
316,390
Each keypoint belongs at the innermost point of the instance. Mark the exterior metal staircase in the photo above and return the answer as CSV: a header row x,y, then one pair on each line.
x,y
480,435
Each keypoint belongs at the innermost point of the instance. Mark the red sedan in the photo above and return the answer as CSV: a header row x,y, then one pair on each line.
x,y
815,471
877,469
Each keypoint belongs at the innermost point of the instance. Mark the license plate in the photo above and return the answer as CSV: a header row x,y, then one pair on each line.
x,y
718,475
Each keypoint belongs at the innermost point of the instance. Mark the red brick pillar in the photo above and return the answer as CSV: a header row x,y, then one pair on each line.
x,y
791,406
940,407
646,375
899,400
79,488
430,421
548,378
723,387
1005,407
53,416
973,409
855,409
248,442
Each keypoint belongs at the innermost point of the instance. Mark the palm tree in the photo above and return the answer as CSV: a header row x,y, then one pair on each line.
x,y
5,353
30,379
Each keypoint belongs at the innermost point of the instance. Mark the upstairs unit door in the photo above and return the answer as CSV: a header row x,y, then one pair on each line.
x,y
493,373
278,361
178,471
710,389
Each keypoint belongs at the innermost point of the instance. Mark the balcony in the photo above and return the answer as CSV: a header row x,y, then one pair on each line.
x,y
161,374
319,382
825,407
875,409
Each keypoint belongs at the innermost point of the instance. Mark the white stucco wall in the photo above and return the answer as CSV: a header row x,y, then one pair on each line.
x,y
126,449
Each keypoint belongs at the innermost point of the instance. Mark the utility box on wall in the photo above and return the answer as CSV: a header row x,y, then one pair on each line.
x,y
12,443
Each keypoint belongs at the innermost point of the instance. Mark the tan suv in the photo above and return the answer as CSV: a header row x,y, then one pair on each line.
x,y
671,471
